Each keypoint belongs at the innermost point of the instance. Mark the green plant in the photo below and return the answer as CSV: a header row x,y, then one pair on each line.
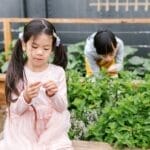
x,y
76,57
4,61
136,63
116,111
5,56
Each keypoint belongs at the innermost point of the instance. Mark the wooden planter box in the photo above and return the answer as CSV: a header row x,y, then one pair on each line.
x,y
2,89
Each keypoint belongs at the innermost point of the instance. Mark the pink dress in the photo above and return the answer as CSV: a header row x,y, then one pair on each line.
x,y
43,129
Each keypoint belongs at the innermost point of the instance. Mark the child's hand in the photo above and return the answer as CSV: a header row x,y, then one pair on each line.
x,y
112,69
31,91
50,87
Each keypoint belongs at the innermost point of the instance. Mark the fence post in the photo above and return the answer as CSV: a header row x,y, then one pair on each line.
x,y
7,34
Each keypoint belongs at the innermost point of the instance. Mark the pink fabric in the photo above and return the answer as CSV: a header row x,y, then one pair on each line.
x,y
47,130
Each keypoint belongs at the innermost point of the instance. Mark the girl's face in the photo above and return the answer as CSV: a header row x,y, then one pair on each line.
x,y
110,56
107,58
38,50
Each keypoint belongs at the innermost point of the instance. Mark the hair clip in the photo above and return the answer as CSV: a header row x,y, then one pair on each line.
x,y
57,39
20,36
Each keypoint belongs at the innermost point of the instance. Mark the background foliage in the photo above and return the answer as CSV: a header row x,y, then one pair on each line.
x,y
117,110
114,110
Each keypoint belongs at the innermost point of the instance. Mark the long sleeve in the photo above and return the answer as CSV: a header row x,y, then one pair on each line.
x,y
119,55
19,106
90,54
59,100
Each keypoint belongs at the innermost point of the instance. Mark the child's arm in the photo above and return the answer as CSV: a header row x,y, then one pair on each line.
x,y
60,98
19,106
24,100
119,55
115,68
58,93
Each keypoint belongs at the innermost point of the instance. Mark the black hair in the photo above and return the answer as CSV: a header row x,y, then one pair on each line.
x,y
104,42
16,65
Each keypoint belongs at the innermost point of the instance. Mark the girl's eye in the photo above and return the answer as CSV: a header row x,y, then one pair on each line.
x,y
46,49
35,47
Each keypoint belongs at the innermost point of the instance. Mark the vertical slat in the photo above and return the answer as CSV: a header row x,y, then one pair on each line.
x,y
7,34
2,89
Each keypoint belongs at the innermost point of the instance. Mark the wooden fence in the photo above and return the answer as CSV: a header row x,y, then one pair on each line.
x,y
6,22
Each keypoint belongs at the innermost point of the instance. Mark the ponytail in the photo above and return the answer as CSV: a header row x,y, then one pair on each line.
x,y
60,56
15,71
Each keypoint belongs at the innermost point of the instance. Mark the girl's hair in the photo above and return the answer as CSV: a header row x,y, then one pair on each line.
x,y
16,66
105,42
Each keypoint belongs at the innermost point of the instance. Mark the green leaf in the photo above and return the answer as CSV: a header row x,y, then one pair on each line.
x,y
4,67
78,103
129,50
136,60
146,65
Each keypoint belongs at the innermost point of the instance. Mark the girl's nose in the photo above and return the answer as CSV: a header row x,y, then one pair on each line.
x,y
39,51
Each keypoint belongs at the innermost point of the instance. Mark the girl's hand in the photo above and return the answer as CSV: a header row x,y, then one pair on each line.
x,y
51,88
31,91
112,69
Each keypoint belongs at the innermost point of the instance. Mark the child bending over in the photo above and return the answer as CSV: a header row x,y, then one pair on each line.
x,y
103,49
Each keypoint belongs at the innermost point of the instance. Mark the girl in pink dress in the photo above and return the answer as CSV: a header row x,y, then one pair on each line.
x,y
36,94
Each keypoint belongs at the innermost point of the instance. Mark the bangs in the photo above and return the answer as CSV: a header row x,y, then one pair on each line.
x,y
105,48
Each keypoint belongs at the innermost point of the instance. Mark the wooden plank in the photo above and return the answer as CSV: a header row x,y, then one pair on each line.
x,y
85,20
101,21
2,76
2,89
90,145
7,34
